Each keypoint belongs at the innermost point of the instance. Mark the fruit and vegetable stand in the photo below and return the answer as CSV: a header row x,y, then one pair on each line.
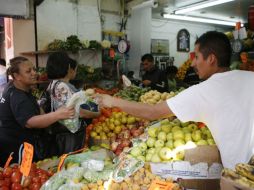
x,y
125,152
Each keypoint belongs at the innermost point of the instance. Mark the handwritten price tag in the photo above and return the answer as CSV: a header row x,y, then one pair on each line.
x,y
61,162
161,185
8,160
27,159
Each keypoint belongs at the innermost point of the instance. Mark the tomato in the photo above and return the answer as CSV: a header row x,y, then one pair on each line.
x,y
7,181
35,186
7,172
33,167
16,186
16,177
36,180
1,175
2,183
95,120
4,188
43,180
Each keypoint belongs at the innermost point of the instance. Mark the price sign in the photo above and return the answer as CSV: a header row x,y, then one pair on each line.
x,y
7,163
27,159
61,161
161,185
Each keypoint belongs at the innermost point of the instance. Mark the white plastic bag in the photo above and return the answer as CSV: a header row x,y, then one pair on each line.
x,y
76,100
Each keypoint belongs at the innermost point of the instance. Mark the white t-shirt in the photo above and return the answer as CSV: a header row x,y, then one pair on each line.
x,y
225,103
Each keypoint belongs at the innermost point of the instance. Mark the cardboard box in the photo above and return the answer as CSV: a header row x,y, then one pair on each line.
x,y
201,169
228,184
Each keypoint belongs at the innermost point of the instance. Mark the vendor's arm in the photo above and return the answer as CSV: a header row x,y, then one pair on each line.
x,y
146,111
42,121
84,114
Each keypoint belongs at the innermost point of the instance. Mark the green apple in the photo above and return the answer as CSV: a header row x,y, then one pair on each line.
x,y
153,131
165,153
166,128
179,155
192,127
186,130
157,150
136,151
170,144
159,143
162,136
176,122
196,135
150,142
170,136
149,157
178,135
179,142
143,146
176,128
208,134
202,142
165,122
187,137
141,157
185,124
151,151
210,141
155,158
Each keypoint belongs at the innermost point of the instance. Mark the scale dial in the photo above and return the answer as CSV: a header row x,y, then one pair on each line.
x,y
122,46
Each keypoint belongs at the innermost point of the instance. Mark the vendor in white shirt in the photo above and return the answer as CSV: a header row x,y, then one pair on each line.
x,y
3,77
224,101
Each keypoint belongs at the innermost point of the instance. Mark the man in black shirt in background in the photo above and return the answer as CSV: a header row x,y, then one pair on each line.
x,y
153,77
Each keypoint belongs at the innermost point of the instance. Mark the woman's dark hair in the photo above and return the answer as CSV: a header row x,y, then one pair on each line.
x,y
148,57
58,65
14,65
216,43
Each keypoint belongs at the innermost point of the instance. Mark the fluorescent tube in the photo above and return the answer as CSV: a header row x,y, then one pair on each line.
x,y
202,20
201,5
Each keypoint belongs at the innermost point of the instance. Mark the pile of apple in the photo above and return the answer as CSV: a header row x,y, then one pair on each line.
x,y
154,97
167,141
119,129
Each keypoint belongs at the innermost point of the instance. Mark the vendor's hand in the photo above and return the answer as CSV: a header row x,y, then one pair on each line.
x,y
65,112
146,82
103,100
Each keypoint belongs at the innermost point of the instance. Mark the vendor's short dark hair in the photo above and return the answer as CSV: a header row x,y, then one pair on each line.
x,y
148,57
58,65
216,43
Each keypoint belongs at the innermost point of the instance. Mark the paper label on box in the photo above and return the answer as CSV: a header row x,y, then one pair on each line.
x,y
185,170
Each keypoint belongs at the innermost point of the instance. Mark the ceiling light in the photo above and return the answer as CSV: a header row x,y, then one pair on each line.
x,y
201,5
202,20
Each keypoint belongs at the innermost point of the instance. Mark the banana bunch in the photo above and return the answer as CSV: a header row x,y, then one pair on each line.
x,y
243,175
183,69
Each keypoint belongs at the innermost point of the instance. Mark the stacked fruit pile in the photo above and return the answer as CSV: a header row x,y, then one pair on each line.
x,y
10,178
183,69
154,97
131,93
119,128
141,179
243,174
167,141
